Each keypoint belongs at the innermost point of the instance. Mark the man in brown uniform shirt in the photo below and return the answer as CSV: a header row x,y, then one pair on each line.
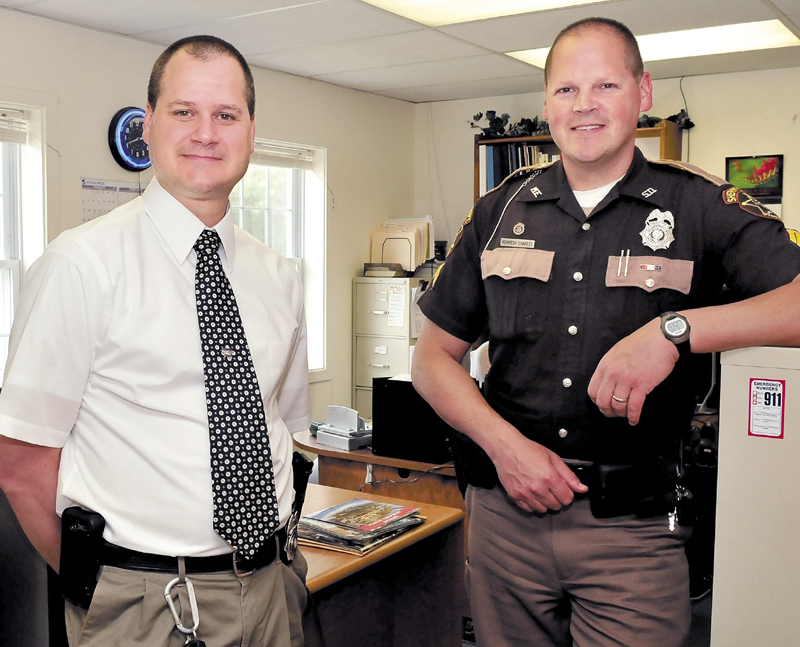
x,y
593,277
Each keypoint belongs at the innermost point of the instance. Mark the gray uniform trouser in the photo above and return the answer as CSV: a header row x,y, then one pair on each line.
x,y
263,609
566,578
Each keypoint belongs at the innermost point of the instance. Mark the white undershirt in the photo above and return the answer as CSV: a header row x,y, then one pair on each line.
x,y
591,198
105,362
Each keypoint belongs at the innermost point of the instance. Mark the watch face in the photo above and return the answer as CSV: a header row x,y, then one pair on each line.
x,y
125,139
675,326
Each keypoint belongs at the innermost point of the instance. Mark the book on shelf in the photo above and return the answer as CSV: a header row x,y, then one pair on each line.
x,y
358,526
499,160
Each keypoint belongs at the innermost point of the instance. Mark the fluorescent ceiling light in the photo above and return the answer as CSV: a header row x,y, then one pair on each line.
x,y
744,37
434,13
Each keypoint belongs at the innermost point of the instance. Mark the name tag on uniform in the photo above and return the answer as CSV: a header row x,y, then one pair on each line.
x,y
516,242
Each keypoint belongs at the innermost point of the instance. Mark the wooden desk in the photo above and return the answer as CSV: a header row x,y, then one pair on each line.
x,y
348,469
403,594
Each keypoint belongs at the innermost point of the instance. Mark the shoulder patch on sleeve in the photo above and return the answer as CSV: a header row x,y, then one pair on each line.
x,y
436,275
746,202
794,236
690,168
467,220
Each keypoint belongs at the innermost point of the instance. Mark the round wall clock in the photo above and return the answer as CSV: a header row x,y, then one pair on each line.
x,y
125,139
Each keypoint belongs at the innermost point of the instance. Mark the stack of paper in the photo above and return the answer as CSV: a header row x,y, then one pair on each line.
x,y
356,527
408,241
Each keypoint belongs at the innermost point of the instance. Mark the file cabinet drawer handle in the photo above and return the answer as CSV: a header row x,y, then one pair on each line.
x,y
378,365
378,312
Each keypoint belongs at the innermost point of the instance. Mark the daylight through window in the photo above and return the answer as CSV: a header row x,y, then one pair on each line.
x,y
281,201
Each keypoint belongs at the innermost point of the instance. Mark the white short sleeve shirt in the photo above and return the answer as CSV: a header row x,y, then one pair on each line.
x,y
105,362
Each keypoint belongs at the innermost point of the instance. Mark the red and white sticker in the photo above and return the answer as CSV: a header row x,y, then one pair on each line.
x,y
767,400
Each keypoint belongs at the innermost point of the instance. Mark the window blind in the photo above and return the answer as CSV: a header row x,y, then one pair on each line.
x,y
13,126
270,153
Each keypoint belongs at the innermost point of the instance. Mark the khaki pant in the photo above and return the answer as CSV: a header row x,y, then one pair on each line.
x,y
566,578
128,609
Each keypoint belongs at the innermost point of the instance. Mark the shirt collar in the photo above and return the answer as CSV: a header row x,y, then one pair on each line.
x,y
639,182
180,228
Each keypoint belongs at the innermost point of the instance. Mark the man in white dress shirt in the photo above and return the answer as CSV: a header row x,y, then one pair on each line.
x,y
104,404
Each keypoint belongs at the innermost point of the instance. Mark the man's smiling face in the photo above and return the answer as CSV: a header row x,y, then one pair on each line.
x,y
593,101
200,132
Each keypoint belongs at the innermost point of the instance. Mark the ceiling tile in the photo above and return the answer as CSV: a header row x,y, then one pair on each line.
x,y
298,26
788,7
724,63
350,43
117,16
536,30
473,68
397,49
469,89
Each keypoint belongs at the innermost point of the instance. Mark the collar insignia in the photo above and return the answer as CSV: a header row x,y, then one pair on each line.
x,y
648,192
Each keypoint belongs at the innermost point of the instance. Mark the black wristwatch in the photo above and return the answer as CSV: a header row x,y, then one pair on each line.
x,y
675,327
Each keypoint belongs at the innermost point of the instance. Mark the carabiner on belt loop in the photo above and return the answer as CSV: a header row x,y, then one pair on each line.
x,y
192,601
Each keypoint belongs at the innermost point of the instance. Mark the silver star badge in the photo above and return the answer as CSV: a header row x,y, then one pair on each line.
x,y
657,232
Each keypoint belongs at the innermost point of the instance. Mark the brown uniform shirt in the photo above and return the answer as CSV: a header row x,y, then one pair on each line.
x,y
555,290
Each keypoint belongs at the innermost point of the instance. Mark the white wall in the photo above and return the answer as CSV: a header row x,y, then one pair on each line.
x,y
83,77
748,113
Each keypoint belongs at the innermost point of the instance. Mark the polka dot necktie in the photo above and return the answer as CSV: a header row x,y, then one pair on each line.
x,y
243,482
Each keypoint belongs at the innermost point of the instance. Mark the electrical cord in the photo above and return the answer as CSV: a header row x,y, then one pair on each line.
x,y
414,480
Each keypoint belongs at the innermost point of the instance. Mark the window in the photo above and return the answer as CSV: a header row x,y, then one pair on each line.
x,y
12,136
268,203
281,201
22,200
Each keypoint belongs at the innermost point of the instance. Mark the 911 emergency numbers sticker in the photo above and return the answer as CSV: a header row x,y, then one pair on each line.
x,y
767,399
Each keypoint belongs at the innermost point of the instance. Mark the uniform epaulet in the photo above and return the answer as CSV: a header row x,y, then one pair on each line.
x,y
520,172
695,170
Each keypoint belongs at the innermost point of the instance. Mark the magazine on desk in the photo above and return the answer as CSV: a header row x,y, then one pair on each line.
x,y
358,526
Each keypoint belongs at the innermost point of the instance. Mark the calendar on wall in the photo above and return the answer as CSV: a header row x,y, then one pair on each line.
x,y
98,197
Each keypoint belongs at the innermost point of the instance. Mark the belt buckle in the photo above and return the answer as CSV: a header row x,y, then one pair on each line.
x,y
236,570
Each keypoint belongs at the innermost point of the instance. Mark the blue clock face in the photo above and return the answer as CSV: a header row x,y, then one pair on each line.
x,y
125,139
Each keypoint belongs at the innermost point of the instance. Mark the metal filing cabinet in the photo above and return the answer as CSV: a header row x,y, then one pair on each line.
x,y
382,333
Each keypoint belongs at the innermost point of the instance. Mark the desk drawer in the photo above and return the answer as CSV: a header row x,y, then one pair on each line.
x,y
379,357
375,302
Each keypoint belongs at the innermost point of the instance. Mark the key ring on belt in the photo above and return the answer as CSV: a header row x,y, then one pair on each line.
x,y
182,579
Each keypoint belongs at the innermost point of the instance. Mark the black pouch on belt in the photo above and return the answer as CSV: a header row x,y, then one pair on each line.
x,y
81,537
301,471
645,490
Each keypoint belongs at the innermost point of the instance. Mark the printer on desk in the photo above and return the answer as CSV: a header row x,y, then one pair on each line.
x,y
343,428
405,426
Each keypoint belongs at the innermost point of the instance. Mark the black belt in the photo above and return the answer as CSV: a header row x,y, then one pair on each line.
x,y
133,560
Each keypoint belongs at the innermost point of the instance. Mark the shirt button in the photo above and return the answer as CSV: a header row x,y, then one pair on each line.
x,y
563,433
506,270
586,226
572,330
566,382
577,276
650,283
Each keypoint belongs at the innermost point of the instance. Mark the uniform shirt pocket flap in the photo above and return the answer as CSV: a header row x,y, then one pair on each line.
x,y
512,263
649,273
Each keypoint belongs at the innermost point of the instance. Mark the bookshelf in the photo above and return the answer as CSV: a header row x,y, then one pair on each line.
x,y
513,150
